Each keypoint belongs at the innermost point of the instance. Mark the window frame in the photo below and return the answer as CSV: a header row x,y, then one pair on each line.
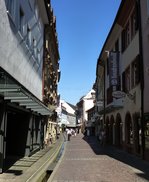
x,y
21,21
11,9
135,72
127,79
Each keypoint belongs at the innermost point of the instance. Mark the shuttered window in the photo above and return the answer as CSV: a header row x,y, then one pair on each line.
x,y
135,72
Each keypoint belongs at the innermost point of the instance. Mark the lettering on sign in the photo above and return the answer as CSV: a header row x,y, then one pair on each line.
x,y
118,94
113,68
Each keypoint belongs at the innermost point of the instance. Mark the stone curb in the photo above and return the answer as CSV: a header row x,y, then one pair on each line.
x,y
38,170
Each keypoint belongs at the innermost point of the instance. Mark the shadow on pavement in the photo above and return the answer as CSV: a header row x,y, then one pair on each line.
x,y
15,172
95,145
130,160
10,161
120,155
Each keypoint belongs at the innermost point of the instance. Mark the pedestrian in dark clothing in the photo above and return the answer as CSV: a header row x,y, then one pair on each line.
x,y
85,132
102,138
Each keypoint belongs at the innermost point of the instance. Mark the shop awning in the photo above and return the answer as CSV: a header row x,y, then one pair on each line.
x,y
16,94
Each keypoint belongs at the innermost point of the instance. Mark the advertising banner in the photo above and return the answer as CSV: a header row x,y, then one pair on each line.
x,y
113,68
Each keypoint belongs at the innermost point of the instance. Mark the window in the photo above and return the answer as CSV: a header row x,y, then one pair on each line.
x,y
109,95
125,37
117,46
131,77
35,47
36,12
29,38
118,87
38,56
123,82
130,29
135,73
134,22
107,66
11,8
22,22
126,80
133,30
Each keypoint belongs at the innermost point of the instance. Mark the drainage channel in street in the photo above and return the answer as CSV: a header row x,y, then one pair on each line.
x,y
53,164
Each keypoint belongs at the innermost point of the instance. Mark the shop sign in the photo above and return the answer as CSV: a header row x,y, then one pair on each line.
x,y
99,103
113,68
118,94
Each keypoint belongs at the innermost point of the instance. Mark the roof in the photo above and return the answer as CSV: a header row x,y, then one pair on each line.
x,y
115,21
72,106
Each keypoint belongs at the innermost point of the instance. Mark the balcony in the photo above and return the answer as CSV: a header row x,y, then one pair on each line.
x,y
116,104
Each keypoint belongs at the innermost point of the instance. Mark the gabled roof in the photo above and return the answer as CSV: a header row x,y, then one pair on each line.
x,y
70,108
71,105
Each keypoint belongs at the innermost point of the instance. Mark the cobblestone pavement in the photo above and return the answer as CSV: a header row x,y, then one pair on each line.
x,y
84,160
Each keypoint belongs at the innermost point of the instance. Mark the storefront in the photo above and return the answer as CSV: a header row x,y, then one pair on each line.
x,y
146,134
23,120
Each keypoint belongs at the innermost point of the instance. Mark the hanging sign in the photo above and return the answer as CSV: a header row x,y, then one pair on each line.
x,y
113,68
118,94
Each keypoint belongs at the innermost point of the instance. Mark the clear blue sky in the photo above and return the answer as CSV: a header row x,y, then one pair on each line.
x,y
82,28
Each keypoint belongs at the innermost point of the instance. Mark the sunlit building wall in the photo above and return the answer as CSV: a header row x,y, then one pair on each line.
x,y
120,59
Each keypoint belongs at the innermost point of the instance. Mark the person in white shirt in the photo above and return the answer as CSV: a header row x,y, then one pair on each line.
x,y
68,134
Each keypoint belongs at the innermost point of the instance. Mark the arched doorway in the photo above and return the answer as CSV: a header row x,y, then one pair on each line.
x,y
118,131
129,133
137,134
111,129
107,129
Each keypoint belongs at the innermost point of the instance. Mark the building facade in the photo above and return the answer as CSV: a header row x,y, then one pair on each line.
x,y
23,116
99,87
91,121
144,19
51,74
67,115
86,102
118,70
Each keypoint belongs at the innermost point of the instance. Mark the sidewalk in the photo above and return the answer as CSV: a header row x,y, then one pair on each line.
x,y
84,160
32,169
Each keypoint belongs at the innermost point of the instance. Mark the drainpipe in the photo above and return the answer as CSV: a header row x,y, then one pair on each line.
x,y
141,78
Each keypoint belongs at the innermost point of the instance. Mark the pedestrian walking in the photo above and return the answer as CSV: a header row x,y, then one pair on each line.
x,y
68,134
50,138
85,132
102,137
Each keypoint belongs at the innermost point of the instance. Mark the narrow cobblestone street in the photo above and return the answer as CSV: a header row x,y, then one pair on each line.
x,y
84,160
